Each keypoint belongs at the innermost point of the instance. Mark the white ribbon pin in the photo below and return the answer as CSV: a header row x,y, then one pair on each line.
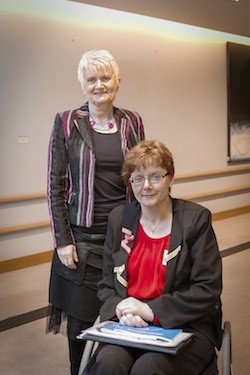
x,y
168,256
119,270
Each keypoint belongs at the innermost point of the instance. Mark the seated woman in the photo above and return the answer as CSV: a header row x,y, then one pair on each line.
x,y
162,266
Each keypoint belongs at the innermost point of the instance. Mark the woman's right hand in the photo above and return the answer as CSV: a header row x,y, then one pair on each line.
x,y
133,321
68,256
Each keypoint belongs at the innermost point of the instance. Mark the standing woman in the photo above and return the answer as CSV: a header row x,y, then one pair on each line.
x,y
86,153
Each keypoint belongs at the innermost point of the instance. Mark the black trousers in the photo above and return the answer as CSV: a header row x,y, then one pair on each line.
x,y
76,347
118,360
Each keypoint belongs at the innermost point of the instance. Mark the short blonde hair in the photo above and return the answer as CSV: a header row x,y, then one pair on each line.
x,y
145,154
96,59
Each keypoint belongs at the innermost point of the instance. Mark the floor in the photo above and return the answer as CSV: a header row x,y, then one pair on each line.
x,y
26,349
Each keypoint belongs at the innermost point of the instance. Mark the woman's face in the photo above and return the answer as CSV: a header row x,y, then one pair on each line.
x,y
151,186
100,86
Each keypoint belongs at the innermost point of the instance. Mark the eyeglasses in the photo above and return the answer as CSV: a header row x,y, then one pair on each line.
x,y
153,179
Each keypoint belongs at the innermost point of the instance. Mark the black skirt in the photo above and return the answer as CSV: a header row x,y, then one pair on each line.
x,y
73,294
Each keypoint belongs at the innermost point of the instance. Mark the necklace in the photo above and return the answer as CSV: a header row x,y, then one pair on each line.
x,y
149,226
102,127
154,229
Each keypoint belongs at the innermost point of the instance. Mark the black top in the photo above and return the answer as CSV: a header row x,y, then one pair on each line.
x,y
110,190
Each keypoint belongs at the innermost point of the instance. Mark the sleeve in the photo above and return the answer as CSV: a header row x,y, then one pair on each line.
x,y
140,128
57,186
137,128
132,129
197,297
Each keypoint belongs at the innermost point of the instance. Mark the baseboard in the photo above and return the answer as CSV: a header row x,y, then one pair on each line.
x,y
45,257
230,213
26,261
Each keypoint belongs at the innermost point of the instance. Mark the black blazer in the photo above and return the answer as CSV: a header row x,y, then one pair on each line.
x,y
191,295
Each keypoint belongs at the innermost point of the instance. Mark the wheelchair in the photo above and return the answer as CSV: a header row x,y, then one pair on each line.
x,y
212,369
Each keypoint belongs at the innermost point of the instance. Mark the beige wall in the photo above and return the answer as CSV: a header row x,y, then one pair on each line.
x,y
173,75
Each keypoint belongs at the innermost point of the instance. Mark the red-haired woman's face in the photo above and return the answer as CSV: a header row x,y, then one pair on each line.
x,y
151,186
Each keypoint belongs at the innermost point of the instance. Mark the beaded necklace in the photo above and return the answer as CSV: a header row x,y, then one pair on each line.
x,y
102,127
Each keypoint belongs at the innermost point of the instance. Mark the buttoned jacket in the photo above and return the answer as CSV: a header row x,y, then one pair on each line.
x,y
193,282
71,168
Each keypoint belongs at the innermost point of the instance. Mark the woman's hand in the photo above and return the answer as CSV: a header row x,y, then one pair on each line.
x,y
132,320
134,307
68,256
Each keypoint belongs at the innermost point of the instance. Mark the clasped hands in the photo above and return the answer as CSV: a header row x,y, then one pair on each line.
x,y
68,256
133,312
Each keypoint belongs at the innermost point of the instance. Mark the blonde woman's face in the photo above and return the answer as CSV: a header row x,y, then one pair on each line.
x,y
100,85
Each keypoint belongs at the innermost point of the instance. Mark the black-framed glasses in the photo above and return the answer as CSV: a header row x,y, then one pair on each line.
x,y
153,179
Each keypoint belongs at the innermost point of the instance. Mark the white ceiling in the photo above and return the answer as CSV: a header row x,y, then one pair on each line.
x,y
222,15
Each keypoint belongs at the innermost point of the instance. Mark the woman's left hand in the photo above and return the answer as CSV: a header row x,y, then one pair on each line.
x,y
135,307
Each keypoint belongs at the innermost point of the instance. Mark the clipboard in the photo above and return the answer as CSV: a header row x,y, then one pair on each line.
x,y
94,333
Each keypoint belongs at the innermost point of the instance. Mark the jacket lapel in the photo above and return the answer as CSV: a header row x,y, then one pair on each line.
x,y
131,215
81,121
175,244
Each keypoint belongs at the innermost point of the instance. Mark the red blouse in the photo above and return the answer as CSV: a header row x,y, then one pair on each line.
x,y
146,271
